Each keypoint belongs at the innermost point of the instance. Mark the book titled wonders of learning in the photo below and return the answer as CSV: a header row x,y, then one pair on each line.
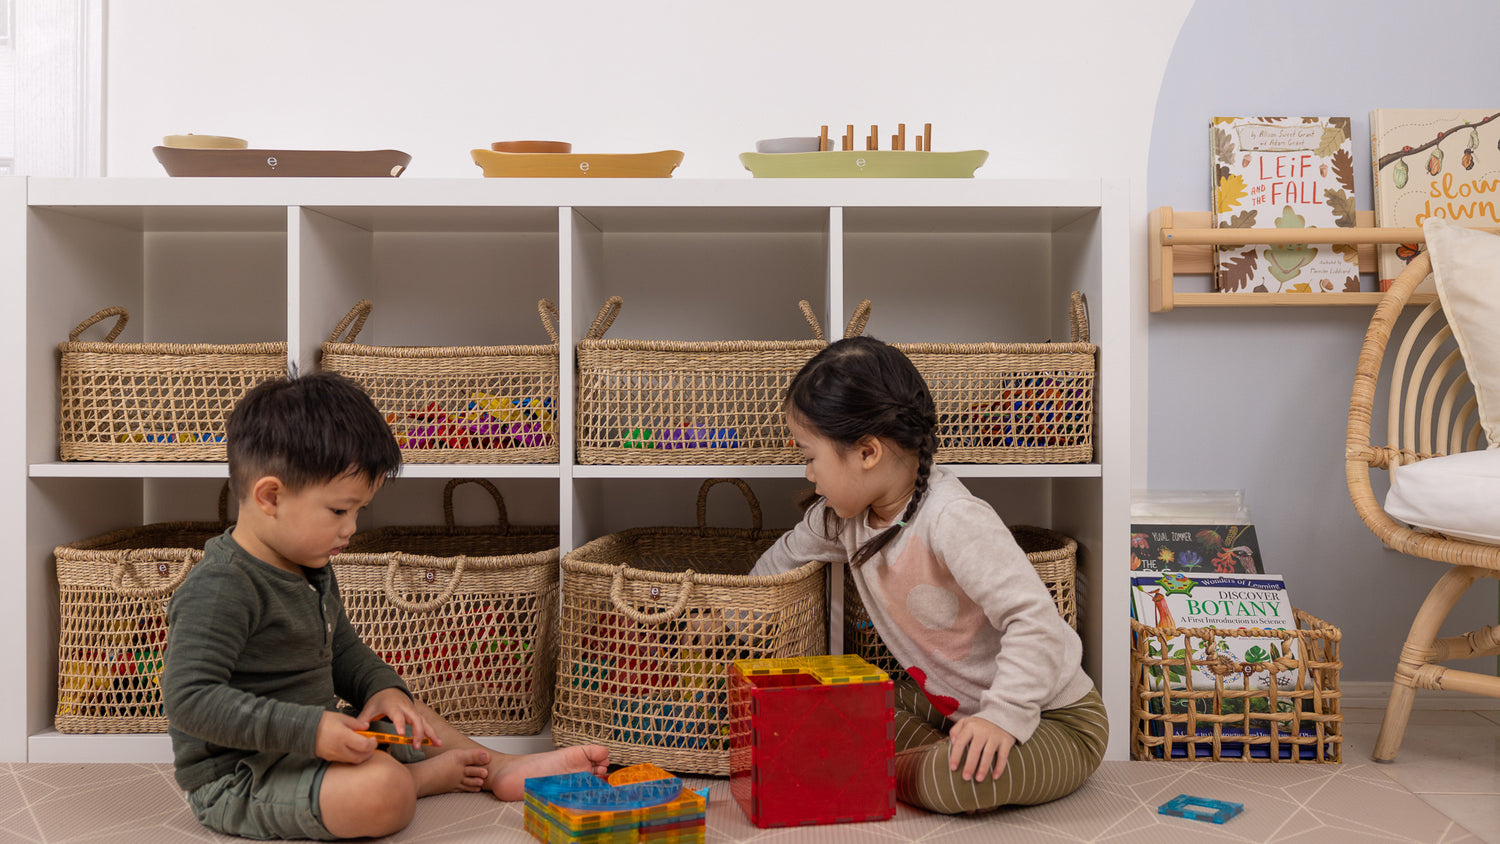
x,y
1167,600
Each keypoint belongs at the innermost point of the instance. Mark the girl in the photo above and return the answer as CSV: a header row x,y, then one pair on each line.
x,y
998,710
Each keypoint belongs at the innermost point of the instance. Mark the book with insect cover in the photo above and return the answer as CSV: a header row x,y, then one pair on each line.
x,y
1442,163
1284,172
1170,601
1204,549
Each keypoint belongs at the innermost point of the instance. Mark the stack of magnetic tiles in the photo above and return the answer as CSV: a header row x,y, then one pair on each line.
x,y
641,803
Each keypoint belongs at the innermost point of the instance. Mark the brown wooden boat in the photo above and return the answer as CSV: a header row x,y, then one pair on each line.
x,y
314,163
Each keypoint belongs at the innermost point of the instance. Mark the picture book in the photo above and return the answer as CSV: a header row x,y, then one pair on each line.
x,y
1176,600
1441,163
1217,549
1284,172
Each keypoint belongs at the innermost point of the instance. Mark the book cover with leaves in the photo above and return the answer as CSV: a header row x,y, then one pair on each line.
x,y
1428,163
1204,549
1177,600
1284,172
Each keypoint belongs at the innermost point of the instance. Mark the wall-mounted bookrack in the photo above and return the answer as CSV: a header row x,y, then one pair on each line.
x,y
1183,244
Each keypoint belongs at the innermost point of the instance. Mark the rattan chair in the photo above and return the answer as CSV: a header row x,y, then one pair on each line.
x,y
1431,412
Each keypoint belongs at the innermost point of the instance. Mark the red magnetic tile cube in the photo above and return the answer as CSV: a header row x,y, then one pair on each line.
x,y
810,750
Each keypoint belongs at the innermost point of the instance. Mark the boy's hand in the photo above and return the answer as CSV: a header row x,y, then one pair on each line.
x,y
989,747
338,742
398,708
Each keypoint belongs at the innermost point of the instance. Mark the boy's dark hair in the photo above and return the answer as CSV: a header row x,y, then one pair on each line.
x,y
859,387
308,429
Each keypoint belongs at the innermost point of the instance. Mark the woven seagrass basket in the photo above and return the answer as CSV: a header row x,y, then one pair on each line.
x,y
1010,402
1054,556
665,402
457,404
134,402
466,615
1296,718
113,591
652,617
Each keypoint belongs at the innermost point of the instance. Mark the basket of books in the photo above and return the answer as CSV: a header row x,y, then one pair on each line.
x,y
1250,694
112,632
466,615
457,404
661,402
1054,555
132,402
1010,402
652,617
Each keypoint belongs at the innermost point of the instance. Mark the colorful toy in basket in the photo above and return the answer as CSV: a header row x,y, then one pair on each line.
x,y
682,436
1033,414
813,740
641,803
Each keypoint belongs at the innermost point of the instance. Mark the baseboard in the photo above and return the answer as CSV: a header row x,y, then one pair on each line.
x,y
1373,694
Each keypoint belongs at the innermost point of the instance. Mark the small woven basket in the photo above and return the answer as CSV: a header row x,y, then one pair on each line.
x,y
1054,555
652,617
1010,402
466,615
113,591
663,402
130,402
1297,718
457,404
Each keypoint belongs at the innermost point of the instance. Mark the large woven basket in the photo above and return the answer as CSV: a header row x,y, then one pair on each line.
x,y
666,402
466,615
1052,554
112,636
1297,718
1011,402
652,617
133,402
457,404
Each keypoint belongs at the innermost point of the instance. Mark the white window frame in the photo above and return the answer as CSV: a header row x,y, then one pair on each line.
x,y
62,132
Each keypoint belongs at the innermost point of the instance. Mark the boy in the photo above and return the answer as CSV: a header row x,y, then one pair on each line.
x,y
259,646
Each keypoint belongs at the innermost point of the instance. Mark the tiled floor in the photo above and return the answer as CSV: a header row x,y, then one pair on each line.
x,y
1450,759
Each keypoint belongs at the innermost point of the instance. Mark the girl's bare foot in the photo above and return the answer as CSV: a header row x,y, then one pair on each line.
x,y
509,781
459,769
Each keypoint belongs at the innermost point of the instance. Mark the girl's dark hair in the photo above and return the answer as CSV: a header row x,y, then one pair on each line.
x,y
859,387
308,429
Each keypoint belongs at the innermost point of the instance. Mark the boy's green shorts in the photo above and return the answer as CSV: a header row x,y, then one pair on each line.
x,y
275,795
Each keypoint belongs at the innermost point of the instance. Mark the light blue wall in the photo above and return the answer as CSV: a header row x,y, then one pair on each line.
x,y
1256,398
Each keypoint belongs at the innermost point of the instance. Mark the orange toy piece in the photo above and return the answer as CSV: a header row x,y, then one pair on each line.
x,y
390,738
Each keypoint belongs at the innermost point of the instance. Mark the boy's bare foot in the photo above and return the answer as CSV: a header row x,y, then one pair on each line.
x,y
459,769
509,781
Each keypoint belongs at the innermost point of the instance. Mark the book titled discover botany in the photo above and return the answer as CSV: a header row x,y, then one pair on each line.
x,y
1175,600
1441,163
1284,172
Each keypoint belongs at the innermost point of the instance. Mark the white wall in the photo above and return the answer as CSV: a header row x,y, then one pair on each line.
x,y
1050,89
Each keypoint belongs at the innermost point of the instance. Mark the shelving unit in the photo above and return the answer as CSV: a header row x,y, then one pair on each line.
x,y
1182,243
452,262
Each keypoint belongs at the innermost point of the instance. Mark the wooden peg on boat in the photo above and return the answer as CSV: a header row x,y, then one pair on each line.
x,y
849,137
898,140
927,132
873,141
823,140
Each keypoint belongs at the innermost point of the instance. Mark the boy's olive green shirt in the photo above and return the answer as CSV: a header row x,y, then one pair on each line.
x,y
255,655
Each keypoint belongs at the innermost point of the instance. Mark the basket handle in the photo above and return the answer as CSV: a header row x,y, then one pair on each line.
x,y
744,488
859,320
548,312
617,596
122,561
460,564
812,318
503,520
357,315
1078,318
104,313
605,319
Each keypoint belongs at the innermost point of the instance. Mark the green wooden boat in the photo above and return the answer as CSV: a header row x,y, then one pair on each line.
x,y
865,164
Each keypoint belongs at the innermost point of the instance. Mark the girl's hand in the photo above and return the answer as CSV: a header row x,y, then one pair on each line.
x,y
337,740
988,745
398,708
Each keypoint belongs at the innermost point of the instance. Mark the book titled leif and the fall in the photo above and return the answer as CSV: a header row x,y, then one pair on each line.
x,y
1284,172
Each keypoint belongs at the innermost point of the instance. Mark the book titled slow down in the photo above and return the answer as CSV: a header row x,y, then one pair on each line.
x,y
1169,600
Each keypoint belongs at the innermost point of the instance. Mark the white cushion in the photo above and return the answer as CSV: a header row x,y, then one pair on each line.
x,y
1457,495
1466,270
